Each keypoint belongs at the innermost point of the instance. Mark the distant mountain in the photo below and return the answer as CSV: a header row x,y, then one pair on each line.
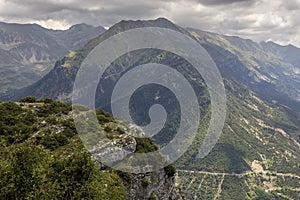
x,y
64,71
289,52
28,51
270,70
257,156
77,35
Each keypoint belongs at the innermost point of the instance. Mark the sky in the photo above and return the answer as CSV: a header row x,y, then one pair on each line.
x,y
259,20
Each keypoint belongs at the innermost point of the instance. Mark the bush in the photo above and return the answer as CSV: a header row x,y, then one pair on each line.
x,y
54,108
30,99
170,170
145,182
46,100
145,145
104,117
49,142
125,176
68,132
31,172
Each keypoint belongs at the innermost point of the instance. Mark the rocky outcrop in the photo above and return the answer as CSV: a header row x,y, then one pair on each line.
x,y
120,143
140,186
152,185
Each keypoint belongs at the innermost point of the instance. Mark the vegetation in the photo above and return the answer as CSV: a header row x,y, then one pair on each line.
x,y
249,134
145,145
170,170
29,99
42,157
254,131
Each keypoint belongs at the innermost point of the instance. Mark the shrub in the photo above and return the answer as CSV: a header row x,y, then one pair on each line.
x,y
104,117
125,176
29,99
49,142
170,170
145,145
145,182
46,100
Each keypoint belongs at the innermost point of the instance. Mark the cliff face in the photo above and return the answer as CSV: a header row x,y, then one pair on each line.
x,y
158,185
122,144
154,185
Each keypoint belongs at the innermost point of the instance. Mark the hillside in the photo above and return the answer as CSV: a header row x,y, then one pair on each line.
x,y
271,71
257,155
268,69
29,51
258,151
42,157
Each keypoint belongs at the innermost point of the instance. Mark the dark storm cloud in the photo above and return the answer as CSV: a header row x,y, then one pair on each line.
x,y
104,12
255,19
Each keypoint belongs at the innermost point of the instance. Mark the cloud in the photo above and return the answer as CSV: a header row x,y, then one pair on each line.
x,y
222,2
255,19
291,4
75,11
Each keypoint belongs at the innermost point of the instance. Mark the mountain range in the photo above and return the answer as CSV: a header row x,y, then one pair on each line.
x,y
258,153
29,51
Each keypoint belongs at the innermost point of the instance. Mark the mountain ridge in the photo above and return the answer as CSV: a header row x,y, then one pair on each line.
x,y
29,51
261,137
264,71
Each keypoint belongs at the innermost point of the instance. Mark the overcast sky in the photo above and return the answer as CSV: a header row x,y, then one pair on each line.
x,y
260,20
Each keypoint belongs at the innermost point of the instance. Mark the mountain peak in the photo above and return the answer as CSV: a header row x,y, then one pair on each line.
x,y
291,46
279,45
75,26
159,22
84,26
163,19
132,24
15,27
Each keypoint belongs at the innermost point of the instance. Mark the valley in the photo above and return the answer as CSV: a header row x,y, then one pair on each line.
x,y
256,157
